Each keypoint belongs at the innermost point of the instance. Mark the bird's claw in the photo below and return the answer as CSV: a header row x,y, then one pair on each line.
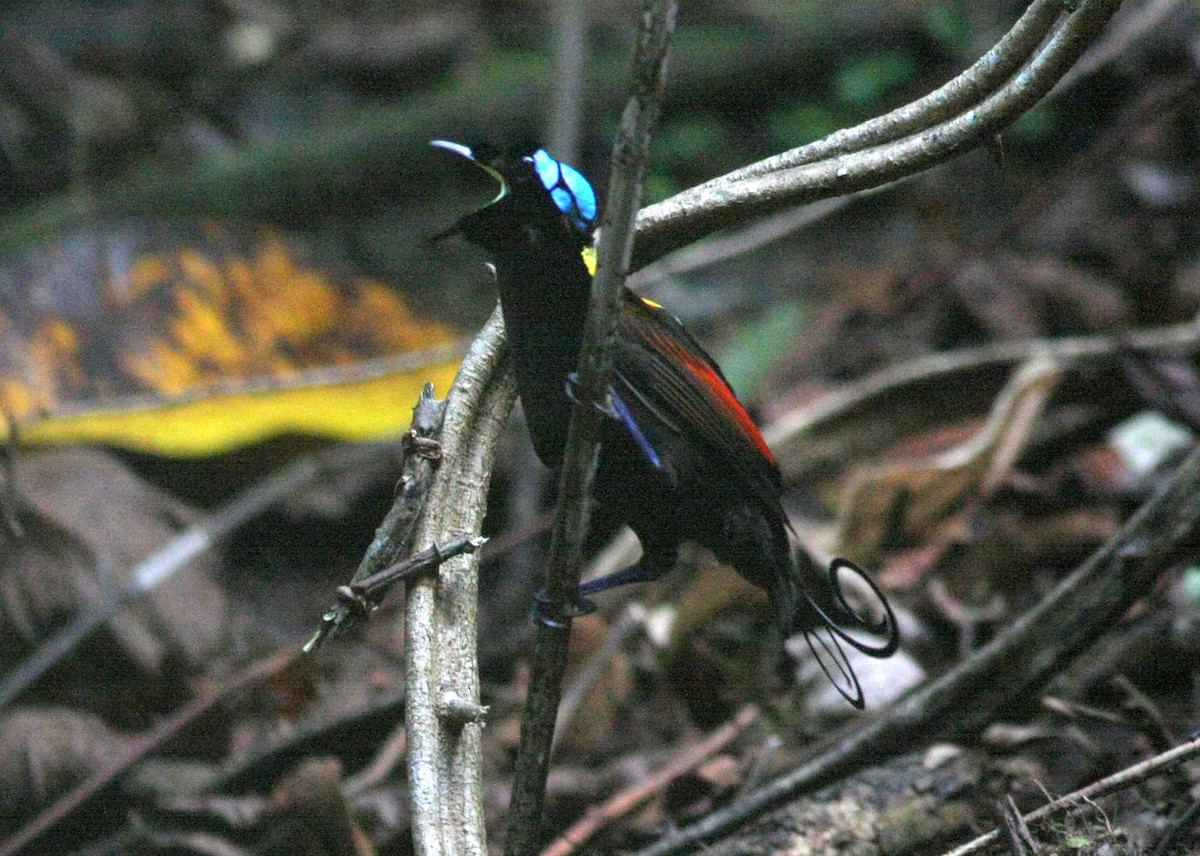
x,y
550,612
605,407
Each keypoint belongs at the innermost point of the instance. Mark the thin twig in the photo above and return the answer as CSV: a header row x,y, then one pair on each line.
x,y
1020,840
372,587
394,538
632,798
8,474
630,155
1009,669
565,114
613,252
809,425
358,600
422,453
1126,778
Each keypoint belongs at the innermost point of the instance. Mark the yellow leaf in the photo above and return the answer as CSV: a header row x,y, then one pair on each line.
x,y
347,408
188,340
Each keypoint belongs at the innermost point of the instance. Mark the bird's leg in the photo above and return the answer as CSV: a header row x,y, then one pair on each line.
x,y
638,572
552,614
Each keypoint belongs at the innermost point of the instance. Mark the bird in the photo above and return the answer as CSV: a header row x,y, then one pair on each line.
x,y
680,458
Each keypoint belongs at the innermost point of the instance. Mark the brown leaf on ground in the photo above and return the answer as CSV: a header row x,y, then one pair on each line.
x,y
88,520
312,815
45,751
902,499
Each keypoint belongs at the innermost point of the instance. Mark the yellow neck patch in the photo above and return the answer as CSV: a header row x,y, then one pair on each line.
x,y
588,254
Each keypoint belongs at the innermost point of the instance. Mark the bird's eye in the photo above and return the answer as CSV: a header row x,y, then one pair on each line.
x,y
568,188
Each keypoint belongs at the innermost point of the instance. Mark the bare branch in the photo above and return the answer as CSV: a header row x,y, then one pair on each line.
x,y
983,78
440,636
567,101
724,201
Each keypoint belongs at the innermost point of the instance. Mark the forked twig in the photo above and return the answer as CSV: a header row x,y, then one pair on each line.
x,y
393,541
356,601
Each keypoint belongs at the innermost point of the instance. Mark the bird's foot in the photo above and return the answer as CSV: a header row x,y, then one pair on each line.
x,y
551,612
605,407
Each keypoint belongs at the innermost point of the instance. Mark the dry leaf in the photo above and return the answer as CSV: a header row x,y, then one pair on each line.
x,y
312,811
909,497
186,340
46,751
88,520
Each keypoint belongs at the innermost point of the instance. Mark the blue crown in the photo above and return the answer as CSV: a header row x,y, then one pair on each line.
x,y
568,188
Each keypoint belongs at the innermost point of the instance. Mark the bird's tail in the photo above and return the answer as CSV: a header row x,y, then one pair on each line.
x,y
820,610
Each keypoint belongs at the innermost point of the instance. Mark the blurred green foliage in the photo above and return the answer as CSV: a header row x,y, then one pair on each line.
x,y
865,83
946,24
795,125
1037,126
760,343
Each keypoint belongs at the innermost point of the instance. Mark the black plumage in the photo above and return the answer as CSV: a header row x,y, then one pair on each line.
x,y
680,459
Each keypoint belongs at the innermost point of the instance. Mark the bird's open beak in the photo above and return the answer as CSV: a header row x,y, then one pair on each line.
x,y
464,151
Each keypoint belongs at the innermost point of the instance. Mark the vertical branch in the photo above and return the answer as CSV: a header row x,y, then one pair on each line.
x,y
442,711
570,59
630,154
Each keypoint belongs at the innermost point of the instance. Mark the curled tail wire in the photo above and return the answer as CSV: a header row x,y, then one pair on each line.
x,y
828,637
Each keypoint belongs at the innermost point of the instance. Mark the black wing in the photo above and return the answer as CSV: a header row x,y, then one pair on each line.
x,y
659,366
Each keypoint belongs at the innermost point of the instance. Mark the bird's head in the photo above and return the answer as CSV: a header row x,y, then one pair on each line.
x,y
534,189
